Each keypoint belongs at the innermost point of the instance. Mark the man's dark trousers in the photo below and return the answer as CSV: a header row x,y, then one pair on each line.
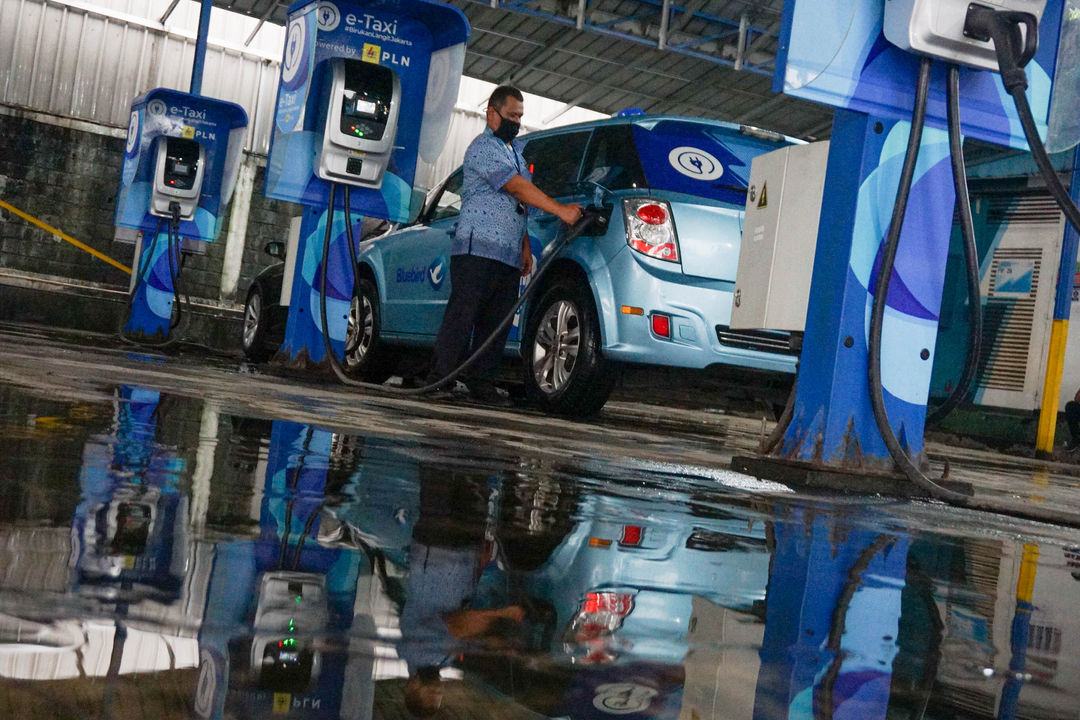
x,y
482,292
1072,416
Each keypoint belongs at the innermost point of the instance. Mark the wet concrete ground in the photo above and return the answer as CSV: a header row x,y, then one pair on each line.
x,y
191,537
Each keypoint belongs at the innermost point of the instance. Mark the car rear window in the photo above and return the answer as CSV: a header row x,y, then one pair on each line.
x,y
698,158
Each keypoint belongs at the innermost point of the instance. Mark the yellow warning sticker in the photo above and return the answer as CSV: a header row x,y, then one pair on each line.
x,y
282,703
372,53
189,132
763,198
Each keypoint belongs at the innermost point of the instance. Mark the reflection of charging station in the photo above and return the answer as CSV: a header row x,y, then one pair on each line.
x,y
878,273
364,101
180,166
291,613
130,530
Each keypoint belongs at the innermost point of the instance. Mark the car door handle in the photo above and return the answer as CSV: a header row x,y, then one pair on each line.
x,y
452,229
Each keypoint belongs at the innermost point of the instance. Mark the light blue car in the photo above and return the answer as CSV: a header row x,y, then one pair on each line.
x,y
655,288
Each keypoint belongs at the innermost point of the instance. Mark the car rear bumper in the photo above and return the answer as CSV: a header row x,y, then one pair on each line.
x,y
699,308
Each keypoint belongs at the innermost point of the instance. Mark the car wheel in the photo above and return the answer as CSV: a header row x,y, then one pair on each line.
x,y
564,369
366,356
255,328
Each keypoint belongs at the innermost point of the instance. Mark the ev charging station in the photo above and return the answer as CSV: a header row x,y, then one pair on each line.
x,y
364,101
180,167
863,59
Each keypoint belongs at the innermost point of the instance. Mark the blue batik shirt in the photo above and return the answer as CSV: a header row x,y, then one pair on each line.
x,y
490,225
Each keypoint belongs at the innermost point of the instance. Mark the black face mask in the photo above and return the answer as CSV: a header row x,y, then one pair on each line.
x,y
508,129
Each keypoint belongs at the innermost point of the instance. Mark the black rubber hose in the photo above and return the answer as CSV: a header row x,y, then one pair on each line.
x,y
569,235
823,703
1046,167
773,440
174,270
355,264
971,255
1031,511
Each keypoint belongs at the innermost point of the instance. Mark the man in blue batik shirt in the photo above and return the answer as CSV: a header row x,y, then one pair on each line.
x,y
491,250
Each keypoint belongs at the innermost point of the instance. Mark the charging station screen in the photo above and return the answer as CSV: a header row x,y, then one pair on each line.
x,y
369,93
181,163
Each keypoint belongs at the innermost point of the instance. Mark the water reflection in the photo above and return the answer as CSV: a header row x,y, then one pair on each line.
x,y
159,554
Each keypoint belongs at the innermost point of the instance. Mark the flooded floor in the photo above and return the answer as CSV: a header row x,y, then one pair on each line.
x,y
189,537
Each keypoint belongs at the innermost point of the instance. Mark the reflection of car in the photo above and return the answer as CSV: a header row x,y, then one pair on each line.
x,y
624,580
654,288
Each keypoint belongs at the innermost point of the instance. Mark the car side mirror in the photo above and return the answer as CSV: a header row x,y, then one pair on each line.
x,y
275,249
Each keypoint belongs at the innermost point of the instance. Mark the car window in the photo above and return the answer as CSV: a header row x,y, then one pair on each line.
x,y
612,160
555,160
447,203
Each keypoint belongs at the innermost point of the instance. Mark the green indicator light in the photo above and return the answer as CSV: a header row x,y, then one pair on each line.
x,y
297,598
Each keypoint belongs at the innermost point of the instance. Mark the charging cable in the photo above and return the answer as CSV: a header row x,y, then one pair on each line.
x,y
1030,511
1014,50
971,254
572,233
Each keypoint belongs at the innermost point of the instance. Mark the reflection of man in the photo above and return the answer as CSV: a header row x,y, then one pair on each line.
x,y
491,244
446,558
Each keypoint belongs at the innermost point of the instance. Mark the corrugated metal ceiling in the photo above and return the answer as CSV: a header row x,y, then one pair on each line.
x,y
605,55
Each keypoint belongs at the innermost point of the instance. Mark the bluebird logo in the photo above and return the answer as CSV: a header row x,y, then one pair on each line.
x,y
133,133
437,272
695,163
156,107
294,50
328,16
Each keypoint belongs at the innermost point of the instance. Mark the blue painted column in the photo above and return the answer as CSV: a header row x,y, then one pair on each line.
x,y
833,424
816,560
152,306
303,331
200,48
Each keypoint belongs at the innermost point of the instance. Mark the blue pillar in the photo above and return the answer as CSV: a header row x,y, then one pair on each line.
x,y
303,330
200,48
815,562
152,306
833,423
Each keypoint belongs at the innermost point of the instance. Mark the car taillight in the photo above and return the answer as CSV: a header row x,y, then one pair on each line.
x,y
601,614
649,228
631,535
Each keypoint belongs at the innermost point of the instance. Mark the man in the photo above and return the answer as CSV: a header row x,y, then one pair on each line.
x,y
1072,416
491,251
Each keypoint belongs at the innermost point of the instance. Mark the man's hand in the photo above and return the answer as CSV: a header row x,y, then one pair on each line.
x,y
569,214
526,259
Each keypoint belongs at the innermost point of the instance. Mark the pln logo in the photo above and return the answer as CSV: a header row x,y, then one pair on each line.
x,y
371,53
436,272
695,163
328,16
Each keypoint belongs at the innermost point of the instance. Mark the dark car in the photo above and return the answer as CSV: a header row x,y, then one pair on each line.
x,y
265,316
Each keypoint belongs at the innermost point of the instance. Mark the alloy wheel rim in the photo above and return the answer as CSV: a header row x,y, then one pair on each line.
x,y
361,315
251,319
555,349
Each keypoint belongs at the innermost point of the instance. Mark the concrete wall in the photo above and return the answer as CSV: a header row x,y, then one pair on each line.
x,y
66,174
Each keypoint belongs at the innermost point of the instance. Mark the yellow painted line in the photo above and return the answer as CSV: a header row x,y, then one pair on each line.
x,y
1055,365
63,236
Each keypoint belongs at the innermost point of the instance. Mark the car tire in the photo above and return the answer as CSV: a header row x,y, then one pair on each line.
x,y
366,355
255,326
565,371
